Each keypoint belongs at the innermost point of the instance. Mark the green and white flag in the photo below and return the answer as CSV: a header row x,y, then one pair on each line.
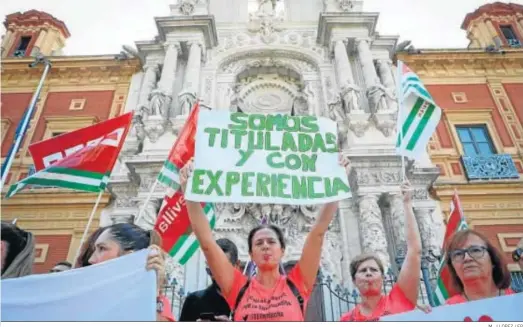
x,y
418,114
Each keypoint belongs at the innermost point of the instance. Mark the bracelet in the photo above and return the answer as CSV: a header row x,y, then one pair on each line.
x,y
159,305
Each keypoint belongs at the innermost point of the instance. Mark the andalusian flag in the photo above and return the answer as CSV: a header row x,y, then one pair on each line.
x,y
455,223
80,160
181,152
418,115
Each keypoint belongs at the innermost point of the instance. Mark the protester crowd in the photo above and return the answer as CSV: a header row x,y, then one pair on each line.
x,y
477,269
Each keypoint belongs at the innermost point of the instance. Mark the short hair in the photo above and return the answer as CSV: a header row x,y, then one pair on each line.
x,y
274,228
500,272
228,247
64,263
359,259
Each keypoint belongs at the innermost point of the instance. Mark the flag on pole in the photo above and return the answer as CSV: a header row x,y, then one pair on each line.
x,y
173,223
81,160
456,222
418,114
174,227
181,152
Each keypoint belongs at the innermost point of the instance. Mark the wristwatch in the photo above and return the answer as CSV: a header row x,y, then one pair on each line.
x,y
159,305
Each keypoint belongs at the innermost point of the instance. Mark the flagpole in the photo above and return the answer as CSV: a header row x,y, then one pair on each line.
x,y
399,99
87,228
149,196
23,126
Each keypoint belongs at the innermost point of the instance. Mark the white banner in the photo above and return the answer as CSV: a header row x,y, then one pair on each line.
x,y
501,308
256,158
116,290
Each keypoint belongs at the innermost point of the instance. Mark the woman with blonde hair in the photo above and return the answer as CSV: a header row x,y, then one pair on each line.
x,y
367,274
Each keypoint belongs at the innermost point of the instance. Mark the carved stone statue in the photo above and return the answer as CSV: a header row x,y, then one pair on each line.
x,y
337,114
350,94
187,100
159,103
301,103
377,95
236,102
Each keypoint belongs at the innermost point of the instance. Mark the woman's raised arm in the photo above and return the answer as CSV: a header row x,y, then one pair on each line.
x,y
221,268
409,276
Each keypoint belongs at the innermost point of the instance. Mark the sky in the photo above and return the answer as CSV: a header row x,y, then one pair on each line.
x,y
103,26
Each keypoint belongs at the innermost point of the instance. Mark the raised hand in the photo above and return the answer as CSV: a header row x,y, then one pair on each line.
x,y
406,191
185,173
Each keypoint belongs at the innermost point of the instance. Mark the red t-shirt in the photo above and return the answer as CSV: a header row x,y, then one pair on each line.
x,y
260,303
392,303
459,298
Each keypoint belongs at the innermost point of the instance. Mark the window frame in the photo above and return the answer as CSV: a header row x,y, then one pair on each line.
x,y
511,28
474,142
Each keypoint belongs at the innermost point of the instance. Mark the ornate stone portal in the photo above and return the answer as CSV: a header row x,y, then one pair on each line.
x,y
265,64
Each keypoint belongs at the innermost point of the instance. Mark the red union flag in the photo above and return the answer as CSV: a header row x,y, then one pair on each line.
x,y
174,227
80,160
456,222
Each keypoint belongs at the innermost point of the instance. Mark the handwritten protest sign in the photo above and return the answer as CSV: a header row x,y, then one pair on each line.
x,y
501,308
256,158
117,290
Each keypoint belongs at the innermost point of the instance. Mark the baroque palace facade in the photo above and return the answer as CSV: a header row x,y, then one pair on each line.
x,y
78,92
478,145
321,58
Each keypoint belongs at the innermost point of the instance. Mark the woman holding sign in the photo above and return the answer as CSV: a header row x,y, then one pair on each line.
x,y
367,273
121,239
269,296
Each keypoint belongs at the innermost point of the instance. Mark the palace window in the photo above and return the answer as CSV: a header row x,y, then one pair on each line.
x,y
510,35
22,46
476,140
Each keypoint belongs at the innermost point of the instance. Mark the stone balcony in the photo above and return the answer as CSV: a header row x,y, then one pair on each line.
x,y
491,167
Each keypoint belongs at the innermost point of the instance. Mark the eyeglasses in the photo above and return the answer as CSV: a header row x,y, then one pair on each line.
x,y
475,252
517,254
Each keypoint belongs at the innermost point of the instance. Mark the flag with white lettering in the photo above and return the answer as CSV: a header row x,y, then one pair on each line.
x,y
174,227
80,160
418,114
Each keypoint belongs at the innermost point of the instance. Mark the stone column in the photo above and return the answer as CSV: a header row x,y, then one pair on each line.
x,y
170,63
343,68
372,232
425,224
367,62
349,91
387,79
148,84
6,41
192,77
376,93
398,224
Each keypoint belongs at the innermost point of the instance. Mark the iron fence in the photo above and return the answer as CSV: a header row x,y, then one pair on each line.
x,y
329,300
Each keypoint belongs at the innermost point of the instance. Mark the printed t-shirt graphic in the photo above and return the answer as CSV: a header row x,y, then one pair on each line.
x,y
392,303
260,303
459,298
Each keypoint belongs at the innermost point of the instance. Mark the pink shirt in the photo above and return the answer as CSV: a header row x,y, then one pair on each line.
x,y
460,298
260,303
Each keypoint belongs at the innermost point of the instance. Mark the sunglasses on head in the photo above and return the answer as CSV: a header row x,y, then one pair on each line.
x,y
517,254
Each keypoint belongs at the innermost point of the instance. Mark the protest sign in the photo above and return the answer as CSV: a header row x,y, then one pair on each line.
x,y
117,290
256,158
501,308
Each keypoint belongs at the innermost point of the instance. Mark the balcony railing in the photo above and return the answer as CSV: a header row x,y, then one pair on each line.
x,y
495,166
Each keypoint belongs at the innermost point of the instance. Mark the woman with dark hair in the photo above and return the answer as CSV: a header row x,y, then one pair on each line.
x,y
88,248
121,239
477,269
269,295
367,274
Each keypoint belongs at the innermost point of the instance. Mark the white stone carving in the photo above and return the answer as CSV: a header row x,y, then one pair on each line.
x,y
372,231
398,223
149,82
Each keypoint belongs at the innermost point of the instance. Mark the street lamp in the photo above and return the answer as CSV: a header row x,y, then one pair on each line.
x,y
23,126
